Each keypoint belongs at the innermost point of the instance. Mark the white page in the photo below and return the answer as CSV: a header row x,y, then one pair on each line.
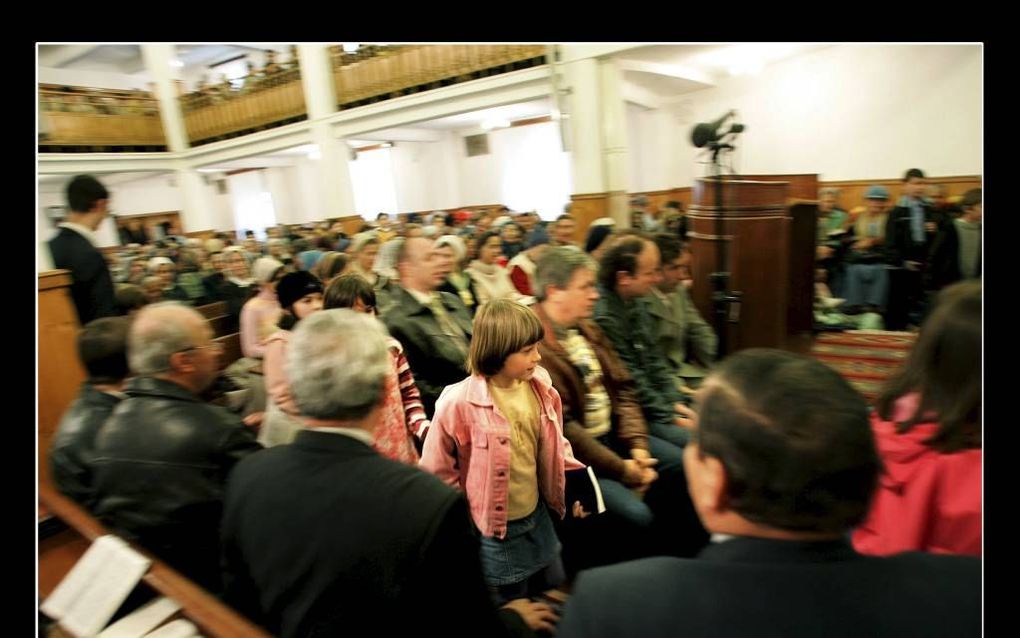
x,y
91,611
143,620
601,505
81,576
176,629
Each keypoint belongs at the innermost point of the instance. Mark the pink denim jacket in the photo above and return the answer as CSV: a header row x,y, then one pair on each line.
x,y
468,447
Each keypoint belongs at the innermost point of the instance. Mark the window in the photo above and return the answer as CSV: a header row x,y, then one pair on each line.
x,y
375,190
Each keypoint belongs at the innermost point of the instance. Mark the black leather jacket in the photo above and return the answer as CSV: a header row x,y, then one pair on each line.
x,y
161,462
74,444
434,358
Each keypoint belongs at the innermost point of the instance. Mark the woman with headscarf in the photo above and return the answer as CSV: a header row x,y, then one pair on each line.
x,y
363,250
453,257
262,312
165,269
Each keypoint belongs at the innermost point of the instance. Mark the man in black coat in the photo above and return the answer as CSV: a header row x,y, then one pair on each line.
x,y
74,249
779,472
162,459
434,327
102,348
325,537
919,239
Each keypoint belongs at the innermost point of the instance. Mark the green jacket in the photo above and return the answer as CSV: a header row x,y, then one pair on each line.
x,y
629,327
679,329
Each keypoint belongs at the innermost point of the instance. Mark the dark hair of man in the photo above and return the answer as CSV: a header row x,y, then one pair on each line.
x,y
325,243
622,257
102,348
83,192
794,439
450,220
343,291
565,216
129,297
382,216
944,367
670,246
913,173
971,198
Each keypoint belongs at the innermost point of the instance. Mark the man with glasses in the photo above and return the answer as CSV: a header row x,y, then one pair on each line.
x,y
162,458
678,328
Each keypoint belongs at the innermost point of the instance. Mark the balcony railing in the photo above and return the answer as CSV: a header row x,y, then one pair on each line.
x,y
83,119
264,101
375,73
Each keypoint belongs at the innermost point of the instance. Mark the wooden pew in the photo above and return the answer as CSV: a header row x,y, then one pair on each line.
x,y
231,349
211,310
60,551
222,325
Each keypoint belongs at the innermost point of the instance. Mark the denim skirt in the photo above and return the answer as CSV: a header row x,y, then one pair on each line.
x,y
530,546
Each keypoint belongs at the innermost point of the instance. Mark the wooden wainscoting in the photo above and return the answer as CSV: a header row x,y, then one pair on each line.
x,y
60,372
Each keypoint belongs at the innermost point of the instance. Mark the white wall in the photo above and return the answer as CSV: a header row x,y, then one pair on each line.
x,y
426,174
845,112
525,169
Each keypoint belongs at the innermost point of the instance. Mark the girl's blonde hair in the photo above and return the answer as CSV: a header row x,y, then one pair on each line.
x,y
502,327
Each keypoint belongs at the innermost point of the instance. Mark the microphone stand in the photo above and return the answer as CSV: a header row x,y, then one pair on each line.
x,y
722,296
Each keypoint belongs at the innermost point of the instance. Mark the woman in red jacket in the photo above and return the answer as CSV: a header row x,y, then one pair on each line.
x,y
927,426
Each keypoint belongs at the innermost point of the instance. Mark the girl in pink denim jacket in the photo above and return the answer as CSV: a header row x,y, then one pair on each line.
x,y
498,436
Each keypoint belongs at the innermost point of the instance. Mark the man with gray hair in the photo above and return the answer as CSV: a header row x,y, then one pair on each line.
x,y
327,537
162,458
605,425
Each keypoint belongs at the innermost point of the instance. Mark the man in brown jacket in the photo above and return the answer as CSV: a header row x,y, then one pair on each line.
x,y
641,476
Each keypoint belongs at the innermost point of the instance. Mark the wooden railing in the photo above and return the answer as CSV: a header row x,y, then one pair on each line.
x,y
83,116
274,100
382,72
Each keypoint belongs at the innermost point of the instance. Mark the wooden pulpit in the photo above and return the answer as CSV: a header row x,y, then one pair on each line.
x,y
765,256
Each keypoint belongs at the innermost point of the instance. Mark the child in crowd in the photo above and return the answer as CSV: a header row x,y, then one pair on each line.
x,y
299,294
404,421
498,436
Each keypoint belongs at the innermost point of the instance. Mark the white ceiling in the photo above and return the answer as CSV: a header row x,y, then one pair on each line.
x,y
127,58
56,183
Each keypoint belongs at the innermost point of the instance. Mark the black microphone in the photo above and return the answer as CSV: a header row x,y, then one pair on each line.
x,y
705,133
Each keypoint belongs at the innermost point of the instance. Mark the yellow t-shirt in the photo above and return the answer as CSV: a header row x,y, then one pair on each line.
x,y
520,407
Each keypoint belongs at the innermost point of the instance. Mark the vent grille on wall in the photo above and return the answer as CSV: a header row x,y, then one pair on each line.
x,y
477,144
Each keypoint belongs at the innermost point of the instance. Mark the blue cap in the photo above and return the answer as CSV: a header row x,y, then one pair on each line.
x,y
876,192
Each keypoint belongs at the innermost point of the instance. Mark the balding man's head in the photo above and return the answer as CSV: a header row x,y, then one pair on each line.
x,y
173,341
416,263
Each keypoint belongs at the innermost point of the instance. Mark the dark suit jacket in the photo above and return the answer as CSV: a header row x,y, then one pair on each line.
x,y
938,254
761,588
325,537
434,359
92,285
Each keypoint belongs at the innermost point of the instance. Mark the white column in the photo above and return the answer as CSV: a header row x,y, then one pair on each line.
x,y
320,100
198,212
598,132
613,114
158,58
582,105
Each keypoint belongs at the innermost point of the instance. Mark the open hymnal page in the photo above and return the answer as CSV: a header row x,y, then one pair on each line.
x,y
142,621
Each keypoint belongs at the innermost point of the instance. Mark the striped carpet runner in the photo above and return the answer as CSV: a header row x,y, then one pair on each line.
x,y
865,358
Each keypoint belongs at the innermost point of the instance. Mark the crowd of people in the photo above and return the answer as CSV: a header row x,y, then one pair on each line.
x,y
881,266
435,386
271,73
